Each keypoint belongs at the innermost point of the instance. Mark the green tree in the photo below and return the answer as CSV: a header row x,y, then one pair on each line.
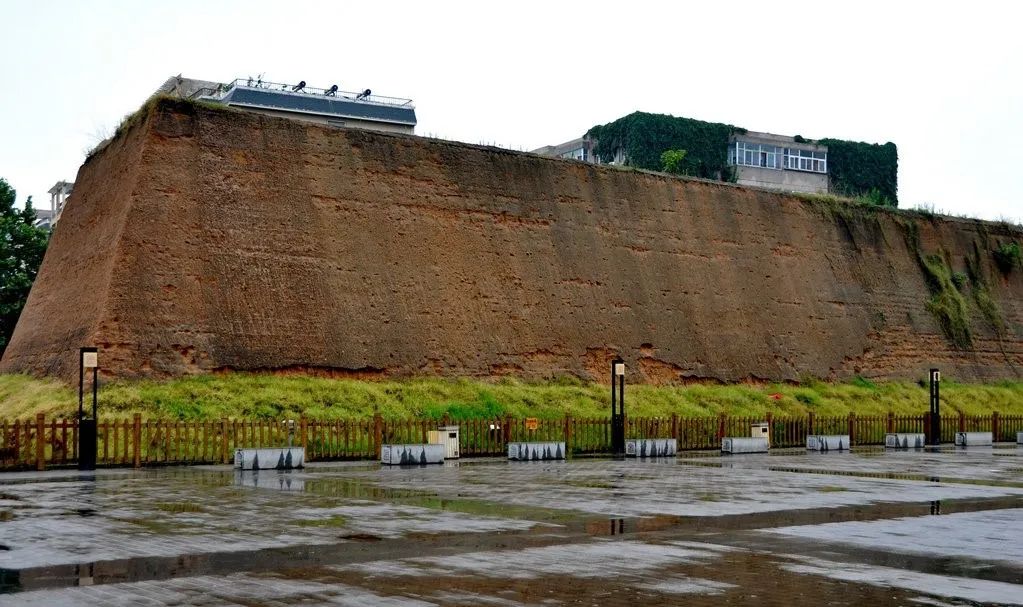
x,y
672,161
21,251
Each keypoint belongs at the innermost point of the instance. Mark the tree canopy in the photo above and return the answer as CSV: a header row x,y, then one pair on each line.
x,y
21,251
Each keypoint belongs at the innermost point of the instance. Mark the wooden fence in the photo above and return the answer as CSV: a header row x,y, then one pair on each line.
x,y
41,443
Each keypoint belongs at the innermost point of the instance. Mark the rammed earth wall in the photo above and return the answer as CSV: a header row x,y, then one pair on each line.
x,y
202,240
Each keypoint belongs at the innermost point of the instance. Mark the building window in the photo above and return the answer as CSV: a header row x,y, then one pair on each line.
x,y
576,154
805,160
755,155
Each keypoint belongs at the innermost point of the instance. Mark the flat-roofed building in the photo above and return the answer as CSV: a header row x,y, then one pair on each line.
x,y
778,162
331,106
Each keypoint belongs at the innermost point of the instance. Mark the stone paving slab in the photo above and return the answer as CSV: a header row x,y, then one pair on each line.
x,y
992,535
980,591
666,487
211,591
185,512
993,464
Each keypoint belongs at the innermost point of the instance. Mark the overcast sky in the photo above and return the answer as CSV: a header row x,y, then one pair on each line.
x,y
942,81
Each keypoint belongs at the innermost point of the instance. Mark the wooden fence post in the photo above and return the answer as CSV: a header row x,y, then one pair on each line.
x,y
852,428
303,427
378,433
809,423
721,427
891,422
506,428
223,441
674,427
994,426
41,441
770,428
568,434
962,422
136,437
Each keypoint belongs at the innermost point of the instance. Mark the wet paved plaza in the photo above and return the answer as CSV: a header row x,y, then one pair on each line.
x,y
790,528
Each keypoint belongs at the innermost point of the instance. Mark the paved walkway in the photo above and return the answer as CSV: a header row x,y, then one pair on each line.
x,y
870,527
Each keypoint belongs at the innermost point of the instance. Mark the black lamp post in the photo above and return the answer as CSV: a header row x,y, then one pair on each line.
x,y
88,358
618,406
935,407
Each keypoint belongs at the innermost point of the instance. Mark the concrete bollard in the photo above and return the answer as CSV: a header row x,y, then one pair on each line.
x,y
744,444
899,440
536,451
827,442
651,447
287,458
1019,438
974,439
412,455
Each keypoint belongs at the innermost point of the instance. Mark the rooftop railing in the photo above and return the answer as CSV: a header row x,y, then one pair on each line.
x,y
306,91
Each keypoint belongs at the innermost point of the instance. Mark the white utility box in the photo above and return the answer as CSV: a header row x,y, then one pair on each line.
x,y
447,436
761,430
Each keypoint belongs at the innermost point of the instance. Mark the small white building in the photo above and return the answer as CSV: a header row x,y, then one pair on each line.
x,y
58,200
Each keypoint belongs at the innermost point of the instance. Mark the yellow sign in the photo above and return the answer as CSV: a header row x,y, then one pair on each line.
x,y
532,423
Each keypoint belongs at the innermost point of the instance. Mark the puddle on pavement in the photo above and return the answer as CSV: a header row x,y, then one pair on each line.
x,y
728,578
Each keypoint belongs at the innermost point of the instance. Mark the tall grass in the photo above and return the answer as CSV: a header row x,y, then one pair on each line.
x,y
245,395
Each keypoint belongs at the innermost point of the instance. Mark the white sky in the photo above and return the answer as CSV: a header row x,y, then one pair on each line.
x,y
943,81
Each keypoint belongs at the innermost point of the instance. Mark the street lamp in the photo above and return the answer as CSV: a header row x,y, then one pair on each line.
x,y
618,406
88,358
935,407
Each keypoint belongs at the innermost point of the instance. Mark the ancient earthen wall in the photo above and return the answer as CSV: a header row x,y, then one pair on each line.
x,y
205,240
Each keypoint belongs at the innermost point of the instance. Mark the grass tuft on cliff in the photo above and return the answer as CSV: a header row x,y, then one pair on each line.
x,y
248,395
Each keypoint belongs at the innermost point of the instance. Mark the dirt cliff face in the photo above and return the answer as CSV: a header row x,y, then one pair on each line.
x,y
203,240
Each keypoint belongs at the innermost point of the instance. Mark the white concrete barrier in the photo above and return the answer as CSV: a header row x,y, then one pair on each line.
x,y
411,455
651,447
284,458
974,439
901,440
744,444
827,442
536,451
1019,438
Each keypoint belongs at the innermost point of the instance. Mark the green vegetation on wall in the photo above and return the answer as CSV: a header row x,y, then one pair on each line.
x,y
982,292
950,289
1008,256
947,303
673,161
858,169
644,137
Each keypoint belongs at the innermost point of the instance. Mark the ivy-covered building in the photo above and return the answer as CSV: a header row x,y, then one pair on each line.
x,y
729,153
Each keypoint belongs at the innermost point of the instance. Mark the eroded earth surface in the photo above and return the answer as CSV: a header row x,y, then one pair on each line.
x,y
790,528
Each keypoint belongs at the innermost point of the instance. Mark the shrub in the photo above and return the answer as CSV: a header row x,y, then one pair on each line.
x,y
1007,256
